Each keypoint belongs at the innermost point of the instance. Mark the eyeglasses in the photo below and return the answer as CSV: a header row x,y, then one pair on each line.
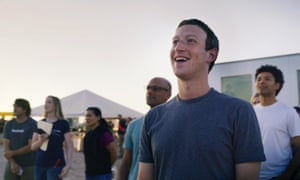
x,y
156,88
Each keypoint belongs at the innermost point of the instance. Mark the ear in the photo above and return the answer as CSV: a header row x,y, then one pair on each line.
x,y
277,86
212,55
168,95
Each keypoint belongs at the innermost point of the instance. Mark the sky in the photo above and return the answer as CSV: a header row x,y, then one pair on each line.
x,y
113,48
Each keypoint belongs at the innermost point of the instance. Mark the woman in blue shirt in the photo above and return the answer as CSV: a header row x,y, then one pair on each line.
x,y
51,163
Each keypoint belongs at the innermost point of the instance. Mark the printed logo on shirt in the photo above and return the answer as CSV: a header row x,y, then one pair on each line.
x,y
17,130
56,132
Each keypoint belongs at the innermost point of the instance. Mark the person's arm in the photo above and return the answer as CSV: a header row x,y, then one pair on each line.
x,y
146,171
8,153
69,154
125,165
14,167
247,171
38,140
111,147
294,163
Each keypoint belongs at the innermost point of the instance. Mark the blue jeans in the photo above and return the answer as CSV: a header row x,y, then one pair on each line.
x,y
47,173
107,176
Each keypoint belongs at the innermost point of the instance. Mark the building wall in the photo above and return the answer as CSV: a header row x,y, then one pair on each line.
x,y
288,64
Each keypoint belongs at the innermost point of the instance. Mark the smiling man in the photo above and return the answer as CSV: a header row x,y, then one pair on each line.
x,y
200,133
279,124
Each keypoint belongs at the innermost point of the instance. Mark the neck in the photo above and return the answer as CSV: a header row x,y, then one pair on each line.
x,y
21,118
266,101
94,126
51,117
192,88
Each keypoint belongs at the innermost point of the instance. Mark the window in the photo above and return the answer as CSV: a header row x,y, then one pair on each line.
x,y
238,86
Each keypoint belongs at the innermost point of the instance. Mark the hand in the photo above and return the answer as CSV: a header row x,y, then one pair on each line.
x,y
8,154
64,171
43,137
14,167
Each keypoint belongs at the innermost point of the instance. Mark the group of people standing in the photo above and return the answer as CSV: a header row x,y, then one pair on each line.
x,y
22,141
198,134
27,160
203,134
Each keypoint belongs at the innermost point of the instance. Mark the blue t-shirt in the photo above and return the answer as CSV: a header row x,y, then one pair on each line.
x,y
54,155
132,139
18,135
201,138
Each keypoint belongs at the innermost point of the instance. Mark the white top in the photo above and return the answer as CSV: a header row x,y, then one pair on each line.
x,y
278,123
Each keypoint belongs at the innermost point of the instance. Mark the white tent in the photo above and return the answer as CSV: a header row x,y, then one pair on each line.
x,y
76,104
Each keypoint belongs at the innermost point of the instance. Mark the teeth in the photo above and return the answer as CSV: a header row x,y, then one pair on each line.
x,y
181,59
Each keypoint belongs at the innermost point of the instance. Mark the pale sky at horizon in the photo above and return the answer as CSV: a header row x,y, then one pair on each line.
x,y
113,48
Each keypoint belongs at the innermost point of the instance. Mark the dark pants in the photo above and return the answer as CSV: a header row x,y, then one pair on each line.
x,y
47,173
27,173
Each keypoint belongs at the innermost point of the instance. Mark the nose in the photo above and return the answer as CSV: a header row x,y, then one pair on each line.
x,y
179,46
261,81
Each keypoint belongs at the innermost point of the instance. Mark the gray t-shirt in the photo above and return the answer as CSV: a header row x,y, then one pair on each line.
x,y
201,138
18,135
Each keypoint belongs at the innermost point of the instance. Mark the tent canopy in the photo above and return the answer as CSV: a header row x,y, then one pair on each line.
x,y
76,104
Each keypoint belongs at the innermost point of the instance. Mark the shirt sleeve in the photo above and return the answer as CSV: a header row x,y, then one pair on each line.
x,y
294,124
145,143
6,130
106,139
32,129
247,141
66,127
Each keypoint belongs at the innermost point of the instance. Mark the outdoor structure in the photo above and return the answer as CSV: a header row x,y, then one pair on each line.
x,y
238,78
75,105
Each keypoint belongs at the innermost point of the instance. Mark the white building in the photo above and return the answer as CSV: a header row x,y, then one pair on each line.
x,y
238,78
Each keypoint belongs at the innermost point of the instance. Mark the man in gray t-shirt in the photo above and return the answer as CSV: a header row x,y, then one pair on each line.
x,y
200,133
17,141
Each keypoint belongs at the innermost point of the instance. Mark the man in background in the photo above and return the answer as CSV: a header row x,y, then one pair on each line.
x,y
279,124
158,92
121,133
17,141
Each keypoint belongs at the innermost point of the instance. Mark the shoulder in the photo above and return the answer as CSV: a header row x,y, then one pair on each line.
x,y
290,111
32,121
10,123
278,107
63,122
134,124
285,107
163,107
228,99
227,104
102,129
159,112
63,125
136,121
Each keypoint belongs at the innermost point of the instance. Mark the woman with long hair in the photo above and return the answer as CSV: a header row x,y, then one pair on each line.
x,y
53,163
99,147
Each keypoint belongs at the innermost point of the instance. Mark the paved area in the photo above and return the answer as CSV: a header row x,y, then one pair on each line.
x,y
76,172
